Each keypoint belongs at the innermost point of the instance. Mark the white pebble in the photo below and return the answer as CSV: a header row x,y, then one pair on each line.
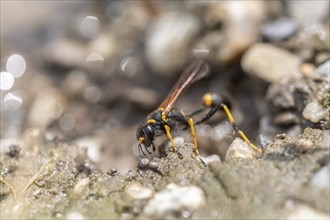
x,y
173,199
73,215
211,158
321,178
137,191
305,212
239,149
80,186
168,42
93,147
314,112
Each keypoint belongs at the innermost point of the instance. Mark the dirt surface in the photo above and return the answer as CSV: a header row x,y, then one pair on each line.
x,y
270,187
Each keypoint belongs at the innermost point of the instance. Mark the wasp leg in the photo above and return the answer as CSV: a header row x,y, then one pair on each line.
x,y
237,130
168,133
215,102
193,134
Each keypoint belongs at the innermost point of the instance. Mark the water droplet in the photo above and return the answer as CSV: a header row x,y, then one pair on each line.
x,y
93,94
16,65
67,122
90,26
13,101
6,81
93,57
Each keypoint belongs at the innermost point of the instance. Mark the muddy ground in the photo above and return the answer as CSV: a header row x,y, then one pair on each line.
x,y
279,185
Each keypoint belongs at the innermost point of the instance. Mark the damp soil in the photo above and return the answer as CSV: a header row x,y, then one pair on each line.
x,y
268,187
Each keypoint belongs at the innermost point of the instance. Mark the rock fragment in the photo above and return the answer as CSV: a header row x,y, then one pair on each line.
x,y
137,191
270,63
239,149
174,199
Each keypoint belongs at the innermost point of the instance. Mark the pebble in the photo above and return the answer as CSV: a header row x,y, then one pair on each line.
x,y
155,163
286,118
74,215
307,69
307,12
145,161
314,112
280,29
93,146
48,106
226,44
174,199
211,158
168,41
239,149
306,212
324,70
270,63
137,191
80,186
65,53
321,178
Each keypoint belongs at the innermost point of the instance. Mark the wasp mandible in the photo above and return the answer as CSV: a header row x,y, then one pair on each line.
x,y
166,119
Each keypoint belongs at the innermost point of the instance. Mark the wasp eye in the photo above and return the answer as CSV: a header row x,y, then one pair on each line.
x,y
149,131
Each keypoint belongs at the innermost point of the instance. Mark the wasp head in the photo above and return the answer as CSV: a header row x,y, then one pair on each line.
x,y
145,135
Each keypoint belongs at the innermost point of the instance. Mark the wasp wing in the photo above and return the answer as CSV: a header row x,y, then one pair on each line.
x,y
193,73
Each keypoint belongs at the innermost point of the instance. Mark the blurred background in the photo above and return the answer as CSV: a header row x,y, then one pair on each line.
x,y
89,72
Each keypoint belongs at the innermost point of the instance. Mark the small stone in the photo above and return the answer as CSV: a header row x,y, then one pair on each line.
x,y
14,151
112,172
308,12
155,163
74,215
174,199
280,29
65,53
137,191
145,161
49,105
314,112
307,69
305,144
80,186
211,158
286,118
239,149
306,212
321,178
270,63
324,70
167,45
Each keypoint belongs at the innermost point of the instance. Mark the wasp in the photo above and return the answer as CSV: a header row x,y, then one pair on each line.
x,y
166,119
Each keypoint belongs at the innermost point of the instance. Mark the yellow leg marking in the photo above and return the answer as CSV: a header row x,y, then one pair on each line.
x,y
168,133
2,180
241,134
151,121
193,134
230,117
164,116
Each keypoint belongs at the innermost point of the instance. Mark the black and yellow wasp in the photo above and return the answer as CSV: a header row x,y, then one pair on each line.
x,y
166,118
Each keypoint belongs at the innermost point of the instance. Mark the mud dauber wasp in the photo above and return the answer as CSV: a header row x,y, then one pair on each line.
x,y
166,118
